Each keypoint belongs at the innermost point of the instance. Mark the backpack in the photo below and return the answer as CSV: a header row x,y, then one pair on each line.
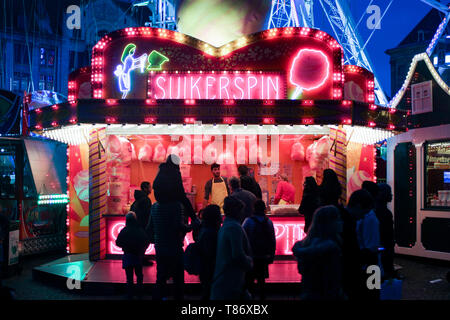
x,y
259,239
192,261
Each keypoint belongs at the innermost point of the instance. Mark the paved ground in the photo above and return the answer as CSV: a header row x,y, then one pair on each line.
x,y
425,280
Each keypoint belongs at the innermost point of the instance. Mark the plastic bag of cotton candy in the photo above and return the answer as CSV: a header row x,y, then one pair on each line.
x,y
119,151
317,152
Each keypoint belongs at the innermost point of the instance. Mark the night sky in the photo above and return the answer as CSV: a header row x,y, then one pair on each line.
x,y
400,19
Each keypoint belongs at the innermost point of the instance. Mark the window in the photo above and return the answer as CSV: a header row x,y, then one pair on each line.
x,y
437,175
7,171
42,56
41,82
422,98
49,83
16,82
51,58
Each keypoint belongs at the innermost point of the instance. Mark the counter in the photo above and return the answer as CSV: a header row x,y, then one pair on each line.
x,y
288,230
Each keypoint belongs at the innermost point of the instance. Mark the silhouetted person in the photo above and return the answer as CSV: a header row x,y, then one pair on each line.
x,y
361,205
134,241
168,226
245,196
386,221
261,235
319,257
142,204
168,185
310,201
207,242
330,189
249,183
233,258
370,187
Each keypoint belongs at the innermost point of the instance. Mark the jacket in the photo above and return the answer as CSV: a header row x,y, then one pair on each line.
x,y
168,187
233,260
207,242
309,204
320,264
133,241
262,242
166,228
248,199
141,206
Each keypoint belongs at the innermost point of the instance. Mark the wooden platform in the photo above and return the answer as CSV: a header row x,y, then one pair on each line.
x,y
108,276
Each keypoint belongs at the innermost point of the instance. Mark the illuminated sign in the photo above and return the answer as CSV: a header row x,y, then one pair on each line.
x,y
309,70
286,63
249,85
288,230
129,63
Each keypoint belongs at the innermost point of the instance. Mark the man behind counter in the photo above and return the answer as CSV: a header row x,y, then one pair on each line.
x,y
216,189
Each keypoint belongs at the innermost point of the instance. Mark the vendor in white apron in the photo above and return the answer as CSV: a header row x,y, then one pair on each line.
x,y
216,189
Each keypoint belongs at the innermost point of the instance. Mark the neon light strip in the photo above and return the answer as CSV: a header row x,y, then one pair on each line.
x,y
418,57
287,232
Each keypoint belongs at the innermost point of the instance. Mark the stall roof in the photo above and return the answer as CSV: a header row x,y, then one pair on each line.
x,y
231,112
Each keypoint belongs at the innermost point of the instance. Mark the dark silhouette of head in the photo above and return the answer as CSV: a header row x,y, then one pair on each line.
x,y
232,207
260,208
310,185
330,188
146,187
173,160
326,225
243,170
360,203
234,183
384,193
211,216
371,187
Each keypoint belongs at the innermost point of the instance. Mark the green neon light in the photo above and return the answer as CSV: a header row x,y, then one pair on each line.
x,y
156,61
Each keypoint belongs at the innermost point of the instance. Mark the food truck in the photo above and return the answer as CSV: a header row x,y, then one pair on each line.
x,y
278,101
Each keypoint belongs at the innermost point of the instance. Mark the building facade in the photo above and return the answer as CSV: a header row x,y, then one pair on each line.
x,y
37,48
417,41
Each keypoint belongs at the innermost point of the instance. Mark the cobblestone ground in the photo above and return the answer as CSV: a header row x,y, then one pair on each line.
x,y
424,280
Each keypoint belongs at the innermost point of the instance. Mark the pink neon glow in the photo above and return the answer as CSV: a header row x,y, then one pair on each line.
x,y
211,85
310,69
287,232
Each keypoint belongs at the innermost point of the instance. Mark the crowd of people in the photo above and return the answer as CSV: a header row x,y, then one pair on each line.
x,y
234,255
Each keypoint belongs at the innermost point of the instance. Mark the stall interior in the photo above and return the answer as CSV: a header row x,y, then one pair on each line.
x,y
135,158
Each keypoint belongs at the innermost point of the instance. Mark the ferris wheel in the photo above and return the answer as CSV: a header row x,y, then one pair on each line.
x,y
300,13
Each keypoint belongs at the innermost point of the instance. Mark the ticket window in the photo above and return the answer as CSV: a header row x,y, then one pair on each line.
x,y
437,175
